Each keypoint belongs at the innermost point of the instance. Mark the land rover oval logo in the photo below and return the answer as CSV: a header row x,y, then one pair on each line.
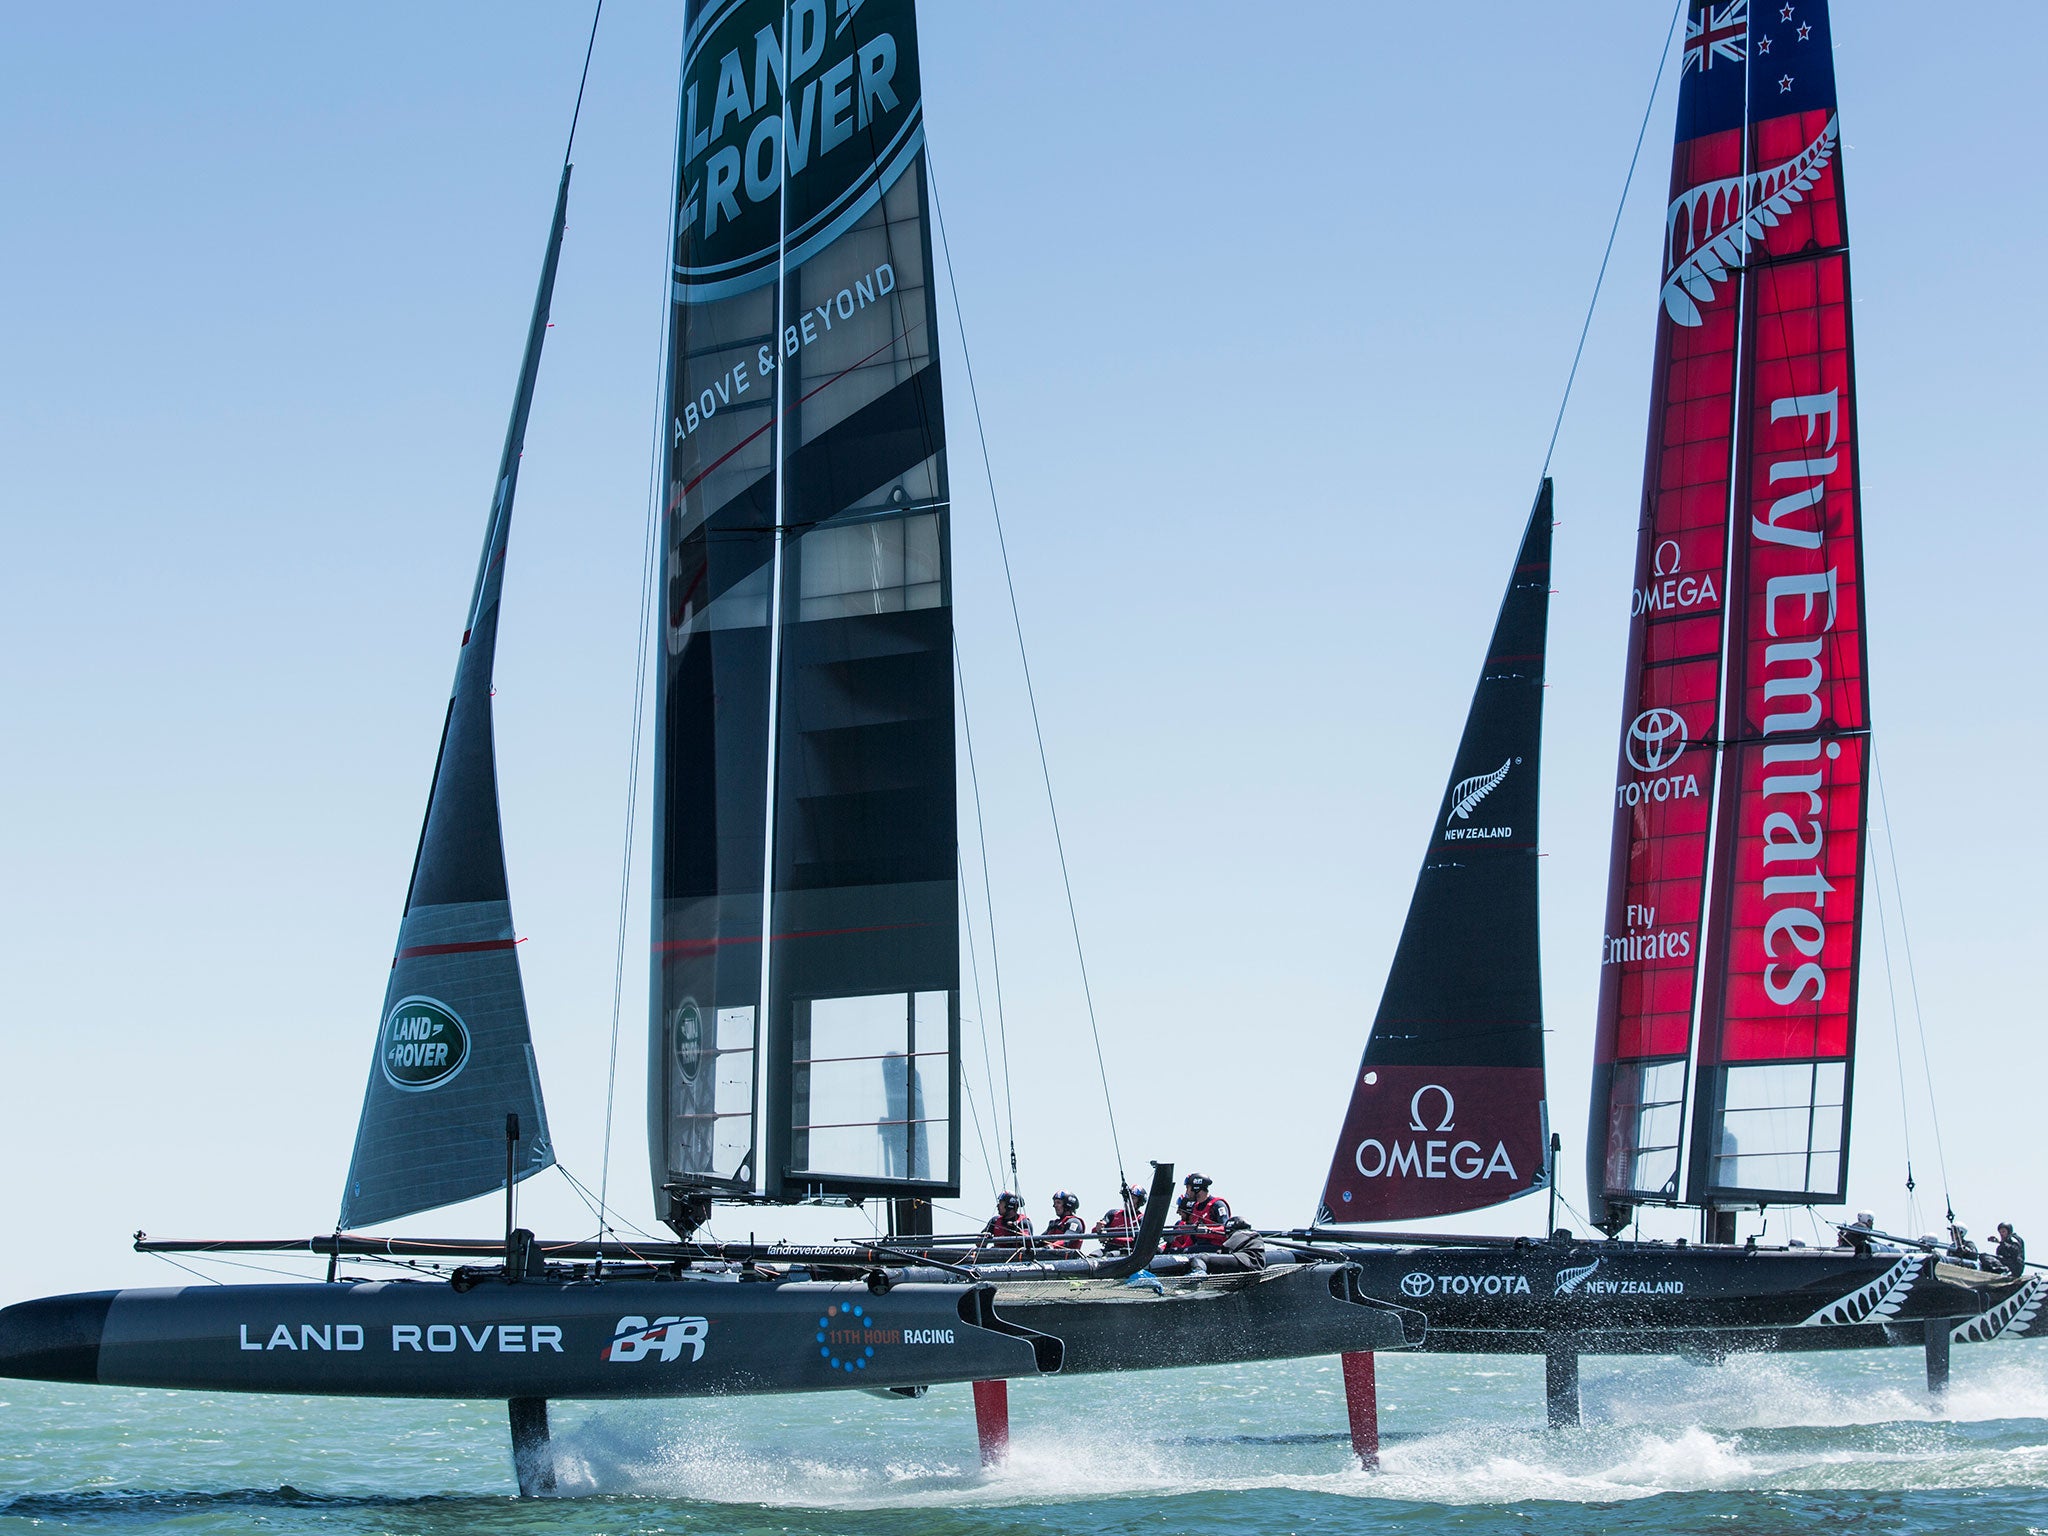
x,y
424,1044
689,1036
852,123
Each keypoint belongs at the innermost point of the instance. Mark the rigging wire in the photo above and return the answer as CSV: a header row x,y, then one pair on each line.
x,y
588,49
1913,983
195,1274
980,1026
1898,1044
988,894
643,644
1635,155
1024,660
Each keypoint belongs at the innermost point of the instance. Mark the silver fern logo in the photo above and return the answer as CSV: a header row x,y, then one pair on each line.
x,y
1467,793
1709,228
1569,1280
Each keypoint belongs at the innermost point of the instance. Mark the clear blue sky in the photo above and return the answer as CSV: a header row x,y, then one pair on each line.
x,y
1269,318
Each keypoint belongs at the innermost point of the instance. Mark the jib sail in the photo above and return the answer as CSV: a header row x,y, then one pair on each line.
x,y
1447,1112
806,953
454,1054
1670,725
1771,1119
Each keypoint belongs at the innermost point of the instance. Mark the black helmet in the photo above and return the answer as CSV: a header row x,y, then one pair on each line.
x,y
1136,1198
1184,1204
1198,1183
1009,1202
1062,1201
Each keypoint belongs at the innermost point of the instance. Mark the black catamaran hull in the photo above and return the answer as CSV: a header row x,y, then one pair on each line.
x,y
1658,1299
687,1338
1285,1313
614,1339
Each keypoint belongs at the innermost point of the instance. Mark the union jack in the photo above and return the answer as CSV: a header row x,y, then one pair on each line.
x,y
1716,32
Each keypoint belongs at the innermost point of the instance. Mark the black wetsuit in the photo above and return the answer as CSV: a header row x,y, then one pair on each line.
x,y
2012,1253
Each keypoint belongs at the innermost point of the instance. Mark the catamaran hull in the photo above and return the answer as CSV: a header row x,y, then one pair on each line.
x,y
1285,1313
1658,1299
614,1339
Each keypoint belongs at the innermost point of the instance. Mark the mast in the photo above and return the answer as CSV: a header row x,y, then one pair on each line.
x,y
1771,1109
1447,1111
1670,724
803,1041
454,1053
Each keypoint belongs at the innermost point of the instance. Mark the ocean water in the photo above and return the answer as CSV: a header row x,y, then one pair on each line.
x,y
1847,1443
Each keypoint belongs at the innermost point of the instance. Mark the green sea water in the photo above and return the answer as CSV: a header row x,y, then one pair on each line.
x,y
1847,1443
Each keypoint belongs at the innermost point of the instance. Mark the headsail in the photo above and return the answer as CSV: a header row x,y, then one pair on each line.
x,y
1771,1117
1448,1113
1664,783
805,828
454,1055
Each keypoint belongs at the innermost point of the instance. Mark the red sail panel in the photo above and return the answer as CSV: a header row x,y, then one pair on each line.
x,y
1774,1059
1664,782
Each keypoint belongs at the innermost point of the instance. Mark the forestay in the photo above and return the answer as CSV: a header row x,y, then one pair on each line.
x,y
1664,776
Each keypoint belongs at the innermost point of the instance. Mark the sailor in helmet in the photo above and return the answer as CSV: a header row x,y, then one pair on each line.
x,y
1856,1235
1065,1230
1009,1228
1120,1222
1204,1216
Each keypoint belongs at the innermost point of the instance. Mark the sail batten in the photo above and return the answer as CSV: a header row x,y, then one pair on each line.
x,y
1447,1110
455,1051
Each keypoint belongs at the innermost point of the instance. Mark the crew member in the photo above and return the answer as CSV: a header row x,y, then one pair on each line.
x,y
2012,1249
1204,1216
1120,1223
1009,1228
1065,1230
1856,1236
1960,1246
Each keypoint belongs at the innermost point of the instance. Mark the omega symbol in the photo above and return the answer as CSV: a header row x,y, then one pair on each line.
x,y
1415,1120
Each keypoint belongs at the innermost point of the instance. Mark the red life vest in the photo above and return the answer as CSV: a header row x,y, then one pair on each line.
x,y
1116,1228
1012,1227
1064,1232
1202,1224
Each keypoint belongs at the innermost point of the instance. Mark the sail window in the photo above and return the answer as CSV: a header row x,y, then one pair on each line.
x,y
711,1132
872,1087
888,565
1781,1127
1648,1102
732,1091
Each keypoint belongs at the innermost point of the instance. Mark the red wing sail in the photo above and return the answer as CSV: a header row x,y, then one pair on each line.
x,y
1664,781
1771,1116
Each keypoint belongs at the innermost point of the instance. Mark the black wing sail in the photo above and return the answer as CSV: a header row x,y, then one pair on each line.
x,y
805,838
1447,1113
454,1053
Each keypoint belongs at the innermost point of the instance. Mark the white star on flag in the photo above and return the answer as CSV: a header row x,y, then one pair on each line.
x,y
1784,85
